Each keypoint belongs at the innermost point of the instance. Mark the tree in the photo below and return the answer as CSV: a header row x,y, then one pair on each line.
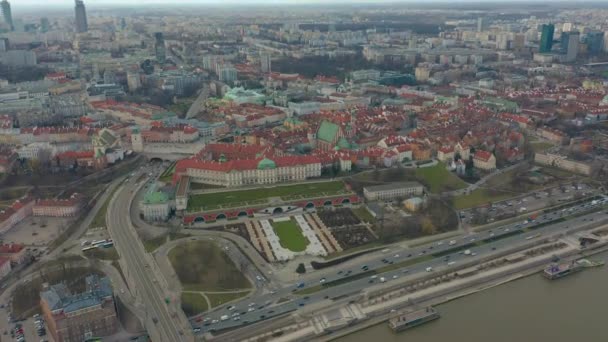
x,y
301,269
428,228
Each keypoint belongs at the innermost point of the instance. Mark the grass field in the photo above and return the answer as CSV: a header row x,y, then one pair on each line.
x,y
541,146
202,266
290,235
479,197
261,195
193,303
152,244
438,179
217,299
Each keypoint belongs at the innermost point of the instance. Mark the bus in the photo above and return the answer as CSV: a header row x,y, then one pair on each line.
x,y
108,244
88,248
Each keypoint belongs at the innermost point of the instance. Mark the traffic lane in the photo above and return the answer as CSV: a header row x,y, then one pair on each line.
x,y
136,267
439,263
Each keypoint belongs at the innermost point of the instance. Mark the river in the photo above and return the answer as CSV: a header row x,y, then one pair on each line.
x,y
532,309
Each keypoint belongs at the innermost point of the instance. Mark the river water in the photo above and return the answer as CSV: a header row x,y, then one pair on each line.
x,y
531,309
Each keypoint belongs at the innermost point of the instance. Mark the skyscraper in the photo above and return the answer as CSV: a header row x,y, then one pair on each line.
x,y
44,24
266,63
595,42
569,45
81,17
6,14
546,38
481,24
159,47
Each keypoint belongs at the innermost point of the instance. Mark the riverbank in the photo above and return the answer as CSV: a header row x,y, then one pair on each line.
x,y
442,298
526,309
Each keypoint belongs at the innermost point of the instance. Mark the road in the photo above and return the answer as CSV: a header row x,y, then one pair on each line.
x,y
168,325
256,309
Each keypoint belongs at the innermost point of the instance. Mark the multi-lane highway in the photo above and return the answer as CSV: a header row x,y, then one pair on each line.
x,y
451,255
168,324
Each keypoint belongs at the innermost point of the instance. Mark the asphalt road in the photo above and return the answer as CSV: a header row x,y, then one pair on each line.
x,y
132,252
256,309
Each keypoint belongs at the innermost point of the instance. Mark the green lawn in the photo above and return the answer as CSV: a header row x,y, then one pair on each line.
x,y
290,235
203,266
102,253
152,244
479,197
541,146
217,299
261,195
438,179
193,303
363,214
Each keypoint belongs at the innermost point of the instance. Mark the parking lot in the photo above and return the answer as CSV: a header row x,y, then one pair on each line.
x,y
26,328
530,202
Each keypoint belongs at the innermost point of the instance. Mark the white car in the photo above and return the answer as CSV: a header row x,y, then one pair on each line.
x,y
429,269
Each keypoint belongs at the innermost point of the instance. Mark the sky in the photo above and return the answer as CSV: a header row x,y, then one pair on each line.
x,y
216,2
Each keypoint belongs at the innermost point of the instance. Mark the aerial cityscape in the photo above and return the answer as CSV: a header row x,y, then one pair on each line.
x,y
303,171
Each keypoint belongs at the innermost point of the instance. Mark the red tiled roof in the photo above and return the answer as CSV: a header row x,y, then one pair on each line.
x,y
482,155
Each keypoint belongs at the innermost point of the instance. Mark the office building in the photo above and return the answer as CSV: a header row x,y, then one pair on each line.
x,y
266,63
481,24
80,316
4,44
20,58
159,47
595,42
569,45
81,17
546,38
45,25
7,14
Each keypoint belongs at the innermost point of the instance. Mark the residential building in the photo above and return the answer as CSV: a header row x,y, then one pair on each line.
x,y
484,160
227,73
562,162
445,154
546,38
70,207
20,58
81,17
391,191
16,253
266,63
17,212
72,317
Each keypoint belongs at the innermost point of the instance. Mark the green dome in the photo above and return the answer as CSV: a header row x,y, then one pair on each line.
x,y
343,144
266,164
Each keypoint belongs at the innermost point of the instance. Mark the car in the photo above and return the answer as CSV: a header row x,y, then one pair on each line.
x,y
409,255
405,271
373,277
322,280
250,309
429,269
214,321
237,318
231,307
395,276
196,330
396,256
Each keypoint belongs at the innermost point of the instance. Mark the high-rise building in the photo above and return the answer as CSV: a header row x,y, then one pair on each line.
x,y
159,47
227,73
81,17
4,44
569,45
45,25
519,41
546,38
595,42
266,63
20,58
481,24
7,14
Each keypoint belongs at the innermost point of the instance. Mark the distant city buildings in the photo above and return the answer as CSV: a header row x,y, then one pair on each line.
x,y
81,24
266,60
